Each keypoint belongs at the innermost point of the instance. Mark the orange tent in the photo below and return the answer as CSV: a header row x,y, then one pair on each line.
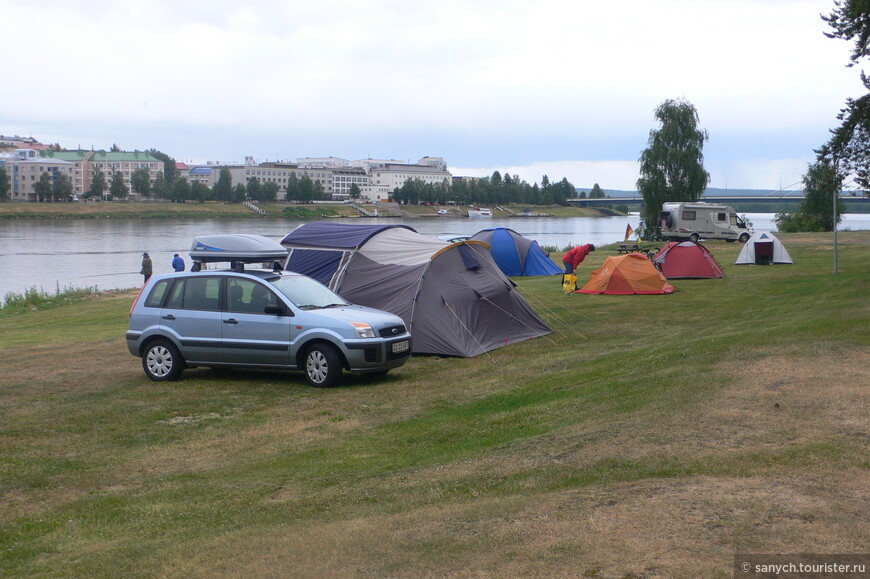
x,y
627,274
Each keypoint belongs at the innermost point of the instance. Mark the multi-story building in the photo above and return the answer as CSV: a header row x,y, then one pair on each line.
x,y
24,169
87,163
277,172
376,178
392,175
343,180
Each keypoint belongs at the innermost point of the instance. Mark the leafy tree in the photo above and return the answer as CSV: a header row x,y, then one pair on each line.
x,y
269,191
115,148
180,190
5,186
140,181
170,171
672,165
199,192
822,183
355,193
99,186
43,187
253,188
849,146
596,192
292,192
240,193
158,189
62,189
305,190
223,189
318,190
118,189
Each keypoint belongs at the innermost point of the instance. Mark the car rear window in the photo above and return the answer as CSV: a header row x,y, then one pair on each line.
x,y
158,292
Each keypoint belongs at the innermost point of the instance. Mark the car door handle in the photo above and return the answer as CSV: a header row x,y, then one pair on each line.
x,y
169,317
231,321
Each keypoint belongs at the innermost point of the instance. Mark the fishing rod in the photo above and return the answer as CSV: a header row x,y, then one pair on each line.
x,y
103,275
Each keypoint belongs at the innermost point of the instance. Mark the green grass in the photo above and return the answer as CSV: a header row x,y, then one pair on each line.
x,y
668,424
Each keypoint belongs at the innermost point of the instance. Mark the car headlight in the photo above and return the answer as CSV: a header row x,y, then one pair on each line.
x,y
363,329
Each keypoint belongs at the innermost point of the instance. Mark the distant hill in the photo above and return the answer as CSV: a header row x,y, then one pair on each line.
x,y
710,192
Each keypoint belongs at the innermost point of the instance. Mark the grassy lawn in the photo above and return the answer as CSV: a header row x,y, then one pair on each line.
x,y
649,436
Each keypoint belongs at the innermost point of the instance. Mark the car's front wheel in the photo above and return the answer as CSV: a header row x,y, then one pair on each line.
x,y
322,366
162,361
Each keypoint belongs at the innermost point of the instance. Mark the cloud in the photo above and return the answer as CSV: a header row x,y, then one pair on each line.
x,y
480,83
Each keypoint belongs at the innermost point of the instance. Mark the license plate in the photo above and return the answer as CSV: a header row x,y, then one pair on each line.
x,y
400,346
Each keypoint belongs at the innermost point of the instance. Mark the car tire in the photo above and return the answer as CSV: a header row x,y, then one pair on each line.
x,y
744,237
322,366
162,361
694,238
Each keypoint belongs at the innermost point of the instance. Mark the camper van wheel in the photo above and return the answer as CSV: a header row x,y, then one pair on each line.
x,y
744,237
322,366
161,361
694,238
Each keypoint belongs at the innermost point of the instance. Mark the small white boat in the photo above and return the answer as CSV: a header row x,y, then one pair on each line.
x,y
480,212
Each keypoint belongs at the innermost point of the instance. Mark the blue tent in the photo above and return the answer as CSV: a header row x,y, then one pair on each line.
x,y
516,255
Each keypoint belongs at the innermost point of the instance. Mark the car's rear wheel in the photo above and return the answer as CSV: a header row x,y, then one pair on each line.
x,y
162,361
322,366
744,237
694,238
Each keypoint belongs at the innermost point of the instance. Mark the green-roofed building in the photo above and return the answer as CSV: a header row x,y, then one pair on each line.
x,y
109,162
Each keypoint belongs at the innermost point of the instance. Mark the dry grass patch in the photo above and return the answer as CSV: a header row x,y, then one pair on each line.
x,y
672,528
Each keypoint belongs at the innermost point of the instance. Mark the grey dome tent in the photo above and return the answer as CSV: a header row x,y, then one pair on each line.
x,y
453,297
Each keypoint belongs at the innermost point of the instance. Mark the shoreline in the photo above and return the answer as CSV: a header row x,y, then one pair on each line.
x,y
12,210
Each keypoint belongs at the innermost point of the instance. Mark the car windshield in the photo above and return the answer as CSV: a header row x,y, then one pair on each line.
x,y
307,293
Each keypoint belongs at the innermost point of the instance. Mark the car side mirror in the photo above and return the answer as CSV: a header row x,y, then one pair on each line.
x,y
277,310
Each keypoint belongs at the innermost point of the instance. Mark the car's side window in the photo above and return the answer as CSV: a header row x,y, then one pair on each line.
x,y
248,296
177,296
158,292
196,293
202,293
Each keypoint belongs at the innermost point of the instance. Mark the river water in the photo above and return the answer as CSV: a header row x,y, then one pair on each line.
x,y
52,255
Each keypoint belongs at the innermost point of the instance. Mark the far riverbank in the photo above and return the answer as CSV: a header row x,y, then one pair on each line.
x,y
220,210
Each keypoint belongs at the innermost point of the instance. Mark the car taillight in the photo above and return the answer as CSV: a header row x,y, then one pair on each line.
x,y
136,300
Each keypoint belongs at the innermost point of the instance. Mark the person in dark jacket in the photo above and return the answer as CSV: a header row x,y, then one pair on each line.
x,y
576,256
147,268
177,263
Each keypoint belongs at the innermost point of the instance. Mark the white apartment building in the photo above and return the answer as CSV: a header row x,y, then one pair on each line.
x,y
376,178
392,175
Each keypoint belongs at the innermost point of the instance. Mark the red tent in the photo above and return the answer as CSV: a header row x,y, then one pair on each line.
x,y
687,259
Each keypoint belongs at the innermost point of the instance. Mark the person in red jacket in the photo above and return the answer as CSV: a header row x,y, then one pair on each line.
x,y
576,256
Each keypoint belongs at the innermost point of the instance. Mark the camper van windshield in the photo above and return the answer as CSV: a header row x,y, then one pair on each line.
x,y
307,293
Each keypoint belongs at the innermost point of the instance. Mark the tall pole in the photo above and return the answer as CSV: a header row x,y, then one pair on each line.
x,y
836,198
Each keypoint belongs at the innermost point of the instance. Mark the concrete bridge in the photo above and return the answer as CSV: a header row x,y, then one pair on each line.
x,y
724,200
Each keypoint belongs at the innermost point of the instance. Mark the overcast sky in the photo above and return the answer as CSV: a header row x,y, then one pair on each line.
x,y
557,87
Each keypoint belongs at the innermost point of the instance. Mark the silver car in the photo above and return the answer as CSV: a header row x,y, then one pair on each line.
x,y
260,319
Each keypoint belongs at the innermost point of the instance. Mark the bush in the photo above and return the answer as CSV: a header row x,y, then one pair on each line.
x,y
38,299
797,222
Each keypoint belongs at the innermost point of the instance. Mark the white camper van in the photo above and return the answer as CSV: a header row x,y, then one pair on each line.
x,y
698,220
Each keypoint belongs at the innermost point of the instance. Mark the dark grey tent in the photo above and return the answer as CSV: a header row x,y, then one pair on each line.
x,y
453,297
